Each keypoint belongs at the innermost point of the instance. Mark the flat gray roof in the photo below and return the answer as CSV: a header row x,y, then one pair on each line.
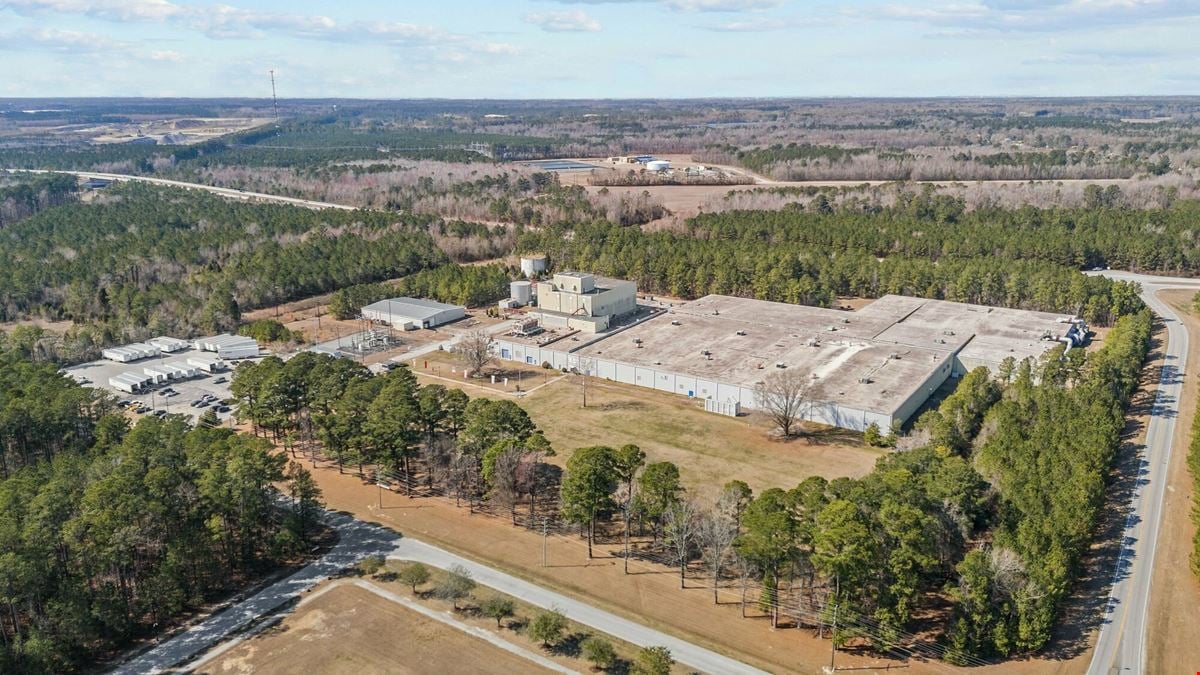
x,y
874,359
412,308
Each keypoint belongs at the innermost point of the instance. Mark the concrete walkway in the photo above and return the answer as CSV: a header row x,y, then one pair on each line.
x,y
450,620
684,652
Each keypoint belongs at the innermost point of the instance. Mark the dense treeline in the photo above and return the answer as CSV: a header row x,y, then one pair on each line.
x,y
1047,449
109,532
174,261
30,194
469,285
428,436
938,228
812,259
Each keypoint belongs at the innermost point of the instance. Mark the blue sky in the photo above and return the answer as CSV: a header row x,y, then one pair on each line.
x,y
598,48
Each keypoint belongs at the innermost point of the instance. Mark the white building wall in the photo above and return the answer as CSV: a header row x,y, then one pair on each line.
x,y
820,412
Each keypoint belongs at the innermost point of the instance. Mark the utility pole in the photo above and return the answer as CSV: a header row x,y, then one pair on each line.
x,y
274,100
833,641
545,536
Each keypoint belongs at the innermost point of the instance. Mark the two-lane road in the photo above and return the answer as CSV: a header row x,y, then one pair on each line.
x,y
231,193
1120,648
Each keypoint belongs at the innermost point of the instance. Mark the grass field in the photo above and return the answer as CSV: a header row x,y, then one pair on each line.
x,y
709,449
353,631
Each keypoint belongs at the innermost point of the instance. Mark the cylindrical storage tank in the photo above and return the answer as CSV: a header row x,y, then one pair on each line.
x,y
658,165
521,292
533,265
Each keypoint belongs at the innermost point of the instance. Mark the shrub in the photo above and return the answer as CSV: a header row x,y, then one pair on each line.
x,y
548,627
599,652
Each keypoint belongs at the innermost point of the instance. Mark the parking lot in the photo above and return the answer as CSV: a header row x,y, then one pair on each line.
x,y
159,397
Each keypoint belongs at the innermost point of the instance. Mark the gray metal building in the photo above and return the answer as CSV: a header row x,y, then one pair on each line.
x,y
412,313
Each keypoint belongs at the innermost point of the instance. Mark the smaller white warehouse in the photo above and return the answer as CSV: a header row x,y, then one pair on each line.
x,y
175,370
206,363
229,346
413,313
130,382
128,353
168,345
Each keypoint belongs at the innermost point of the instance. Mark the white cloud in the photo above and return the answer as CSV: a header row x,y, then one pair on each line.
x,y
573,21
168,55
223,21
60,41
689,5
1039,15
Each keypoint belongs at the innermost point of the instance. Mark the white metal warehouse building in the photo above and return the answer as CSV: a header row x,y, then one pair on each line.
x,y
412,313
876,365
229,346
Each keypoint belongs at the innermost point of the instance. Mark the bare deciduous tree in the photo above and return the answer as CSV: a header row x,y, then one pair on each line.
x,y
716,532
475,351
783,395
584,369
680,524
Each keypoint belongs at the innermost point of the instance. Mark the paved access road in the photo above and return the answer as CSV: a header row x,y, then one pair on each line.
x,y
684,652
1120,648
224,192
357,540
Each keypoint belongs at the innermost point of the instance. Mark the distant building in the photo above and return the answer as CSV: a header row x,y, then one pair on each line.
x,y
413,313
132,352
575,300
130,382
229,346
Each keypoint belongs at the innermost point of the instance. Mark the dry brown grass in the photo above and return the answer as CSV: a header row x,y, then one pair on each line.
x,y
353,631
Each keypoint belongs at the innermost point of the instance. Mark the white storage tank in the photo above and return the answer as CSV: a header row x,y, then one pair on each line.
x,y
521,292
658,165
533,265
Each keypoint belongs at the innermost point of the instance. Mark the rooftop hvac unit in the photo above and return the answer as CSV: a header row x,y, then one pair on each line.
x,y
894,356
740,332
781,364
845,320
864,380
705,352
947,332
675,322
637,341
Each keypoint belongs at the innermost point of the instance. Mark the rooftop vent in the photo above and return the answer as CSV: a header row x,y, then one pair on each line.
x,y
894,356
781,364
947,332
864,380
675,322
637,341
705,352
740,332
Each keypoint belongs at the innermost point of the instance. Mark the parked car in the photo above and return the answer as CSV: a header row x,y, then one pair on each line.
x,y
223,408
221,380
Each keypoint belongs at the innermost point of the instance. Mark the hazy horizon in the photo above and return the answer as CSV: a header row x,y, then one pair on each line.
x,y
600,49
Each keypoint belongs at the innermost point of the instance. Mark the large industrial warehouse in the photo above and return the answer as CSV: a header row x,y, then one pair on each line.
x,y
412,313
875,365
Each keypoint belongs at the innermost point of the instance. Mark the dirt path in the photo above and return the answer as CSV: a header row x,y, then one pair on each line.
x,y
1173,632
